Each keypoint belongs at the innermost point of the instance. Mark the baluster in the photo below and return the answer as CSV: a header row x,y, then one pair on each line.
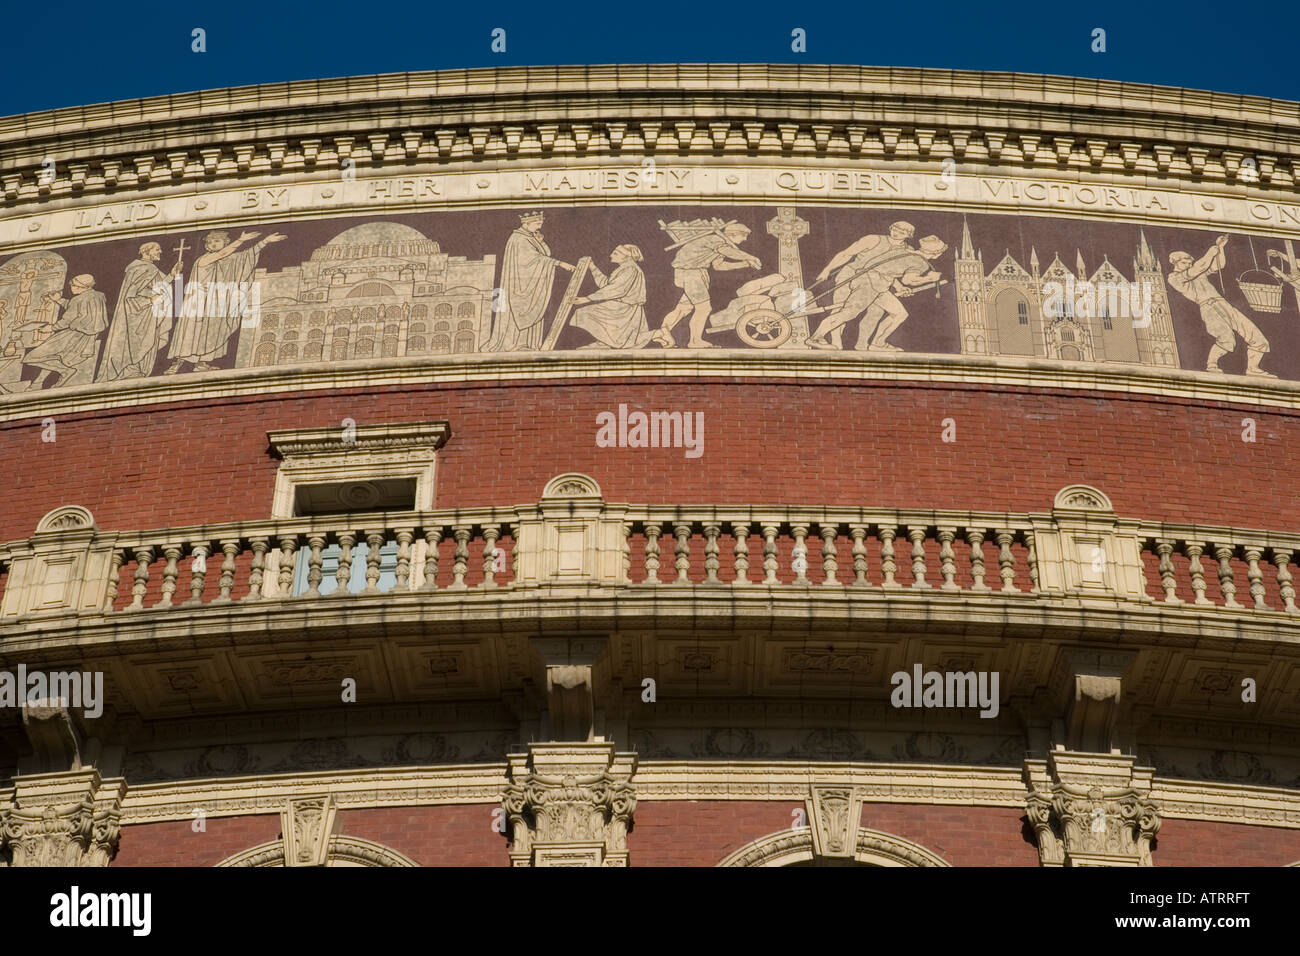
x,y
1031,556
625,543
1198,572
432,538
1282,560
1224,553
976,541
652,533
1006,560
375,541
859,551
404,538
740,531
513,531
315,559
143,558
460,563
198,574
799,561
491,533
1168,581
917,537
343,573
114,580
259,546
682,550
171,571
887,566
769,554
711,532
947,560
1256,577
830,555
226,584
403,569
288,545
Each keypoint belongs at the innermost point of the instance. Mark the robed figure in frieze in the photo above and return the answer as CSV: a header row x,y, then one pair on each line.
x,y
216,300
142,318
73,345
614,314
527,280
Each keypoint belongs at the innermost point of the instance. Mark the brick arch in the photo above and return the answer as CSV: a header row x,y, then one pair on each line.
x,y
343,851
795,845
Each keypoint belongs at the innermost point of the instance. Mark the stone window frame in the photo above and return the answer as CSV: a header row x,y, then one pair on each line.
x,y
351,452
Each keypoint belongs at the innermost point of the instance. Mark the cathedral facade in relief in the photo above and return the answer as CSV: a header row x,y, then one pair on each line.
x,y
378,290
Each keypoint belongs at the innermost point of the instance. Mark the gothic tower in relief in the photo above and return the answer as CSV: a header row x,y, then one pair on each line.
x,y
1003,312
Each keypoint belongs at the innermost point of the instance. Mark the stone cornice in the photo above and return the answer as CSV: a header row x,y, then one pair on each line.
x,y
431,119
933,784
927,370
365,438
52,639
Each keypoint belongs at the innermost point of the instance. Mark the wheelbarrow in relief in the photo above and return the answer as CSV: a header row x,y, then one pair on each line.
x,y
761,311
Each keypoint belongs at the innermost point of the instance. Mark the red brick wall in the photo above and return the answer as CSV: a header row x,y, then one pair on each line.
x,y
174,843
701,832
432,836
765,441
698,833
964,836
1200,843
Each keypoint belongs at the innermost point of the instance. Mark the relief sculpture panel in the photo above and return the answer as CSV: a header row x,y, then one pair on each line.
x,y
865,281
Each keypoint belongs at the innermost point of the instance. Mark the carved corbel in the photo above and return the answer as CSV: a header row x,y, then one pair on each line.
x,y
570,703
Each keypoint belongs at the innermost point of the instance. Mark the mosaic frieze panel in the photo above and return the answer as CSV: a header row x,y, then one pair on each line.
x,y
446,284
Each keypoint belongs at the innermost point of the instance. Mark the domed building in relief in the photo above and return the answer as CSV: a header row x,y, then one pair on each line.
x,y
693,465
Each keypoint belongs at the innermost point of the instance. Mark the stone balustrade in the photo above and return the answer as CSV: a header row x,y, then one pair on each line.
x,y
1080,550
1222,567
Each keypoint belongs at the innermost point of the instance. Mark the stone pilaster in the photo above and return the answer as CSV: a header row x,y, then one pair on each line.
x,y
570,804
1091,809
63,819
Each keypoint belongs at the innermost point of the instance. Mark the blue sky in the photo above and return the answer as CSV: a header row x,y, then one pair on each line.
x,y
66,54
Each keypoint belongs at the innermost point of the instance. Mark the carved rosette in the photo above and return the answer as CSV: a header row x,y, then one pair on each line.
x,y
570,820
